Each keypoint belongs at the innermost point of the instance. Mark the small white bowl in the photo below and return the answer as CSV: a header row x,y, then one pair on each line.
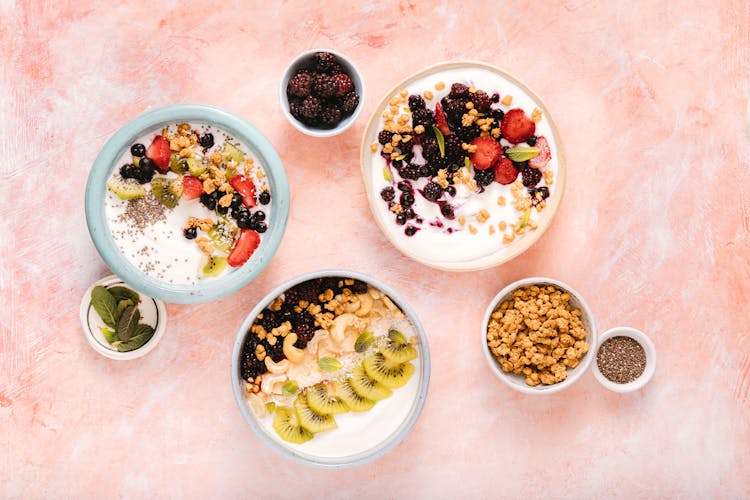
x,y
303,60
153,312
518,382
648,372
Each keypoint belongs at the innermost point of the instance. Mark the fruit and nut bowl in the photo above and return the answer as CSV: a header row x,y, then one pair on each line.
x,y
187,203
331,369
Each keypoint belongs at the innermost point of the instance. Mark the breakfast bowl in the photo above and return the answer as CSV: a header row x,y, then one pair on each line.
x,y
538,336
321,93
463,166
625,359
331,369
187,203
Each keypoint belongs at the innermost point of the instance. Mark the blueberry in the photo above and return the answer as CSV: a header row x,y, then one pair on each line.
x,y
401,219
240,211
531,141
261,227
410,230
129,171
259,216
206,140
244,221
410,214
264,198
138,150
144,175
190,233
447,211
406,200
498,114
208,201
236,201
222,210
388,194
147,164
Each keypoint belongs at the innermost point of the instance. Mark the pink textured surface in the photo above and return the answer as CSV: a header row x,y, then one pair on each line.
x,y
654,230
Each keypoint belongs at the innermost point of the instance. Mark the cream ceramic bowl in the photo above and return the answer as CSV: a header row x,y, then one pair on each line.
x,y
518,382
648,347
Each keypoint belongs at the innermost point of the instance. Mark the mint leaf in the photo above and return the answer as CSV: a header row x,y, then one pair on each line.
x,y
105,305
387,174
289,388
522,153
124,293
467,163
329,364
121,306
141,335
127,323
440,140
109,335
364,341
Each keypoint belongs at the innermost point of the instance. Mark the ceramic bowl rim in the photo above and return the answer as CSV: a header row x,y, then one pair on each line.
x,y
648,347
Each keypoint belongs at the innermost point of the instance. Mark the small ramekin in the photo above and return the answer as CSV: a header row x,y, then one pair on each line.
x,y
648,347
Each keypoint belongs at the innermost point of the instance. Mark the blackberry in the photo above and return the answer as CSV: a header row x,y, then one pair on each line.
x,y
520,165
295,109
307,290
344,84
454,111
430,149
484,177
406,147
208,201
324,86
411,171
482,101
349,103
264,197
405,187
531,141
276,351
423,117
384,137
358,286
453,150
530,177
416,102
300,84
206,140
267,319
331,283
533,192
410,213
138,150
190,233
467,134
458,90
388,193
325,62
447,211
401,219
432,191
406,200
305,333
329,116
310,107
453,168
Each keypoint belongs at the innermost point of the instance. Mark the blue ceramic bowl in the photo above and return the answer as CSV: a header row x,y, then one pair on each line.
x,y
107,161
397,422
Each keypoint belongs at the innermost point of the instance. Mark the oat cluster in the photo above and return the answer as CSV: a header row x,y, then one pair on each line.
x,y
537,334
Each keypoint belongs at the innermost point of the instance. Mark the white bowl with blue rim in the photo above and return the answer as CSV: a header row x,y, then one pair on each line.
x,y
368,435
107,161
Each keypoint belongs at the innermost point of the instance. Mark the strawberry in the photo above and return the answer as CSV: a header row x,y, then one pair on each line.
x,y
544,154
192,187
344,84
160,153
516,126
243,248
442,123
245,187
505,172
487,152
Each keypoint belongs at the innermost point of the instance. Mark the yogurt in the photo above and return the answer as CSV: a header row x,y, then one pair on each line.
x,y
153,236
470,235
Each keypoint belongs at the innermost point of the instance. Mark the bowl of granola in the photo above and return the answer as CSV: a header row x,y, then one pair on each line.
x,y
538,335
463,166
187,203
331,369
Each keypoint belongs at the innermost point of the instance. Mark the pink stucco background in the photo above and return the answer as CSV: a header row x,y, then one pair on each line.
x,y
654,230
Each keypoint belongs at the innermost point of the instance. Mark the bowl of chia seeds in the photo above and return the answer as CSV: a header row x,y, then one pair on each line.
x,y
625,359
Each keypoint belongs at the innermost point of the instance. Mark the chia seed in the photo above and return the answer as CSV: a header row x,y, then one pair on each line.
x,y
621,359
142,212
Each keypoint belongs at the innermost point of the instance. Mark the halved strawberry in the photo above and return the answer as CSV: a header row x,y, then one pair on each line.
x,y
245,187
160,153
487,152
442,123
243,248
505,172
516,126
544,156
192,187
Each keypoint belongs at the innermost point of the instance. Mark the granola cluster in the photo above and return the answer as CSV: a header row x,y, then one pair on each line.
x,y
537,334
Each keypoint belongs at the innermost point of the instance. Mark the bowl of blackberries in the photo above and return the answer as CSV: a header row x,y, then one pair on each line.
x,y
321,93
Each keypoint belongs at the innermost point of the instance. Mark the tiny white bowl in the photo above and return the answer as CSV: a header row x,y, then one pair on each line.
x,y
153,312
303,60
648,372
518,382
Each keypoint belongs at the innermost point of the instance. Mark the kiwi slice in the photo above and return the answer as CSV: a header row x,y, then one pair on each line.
x,y
349,396
222,235
231,152
366,387
125,189
322,399
174,163
287,426
166,190
310,419
397,349
388,373
213,265
196,167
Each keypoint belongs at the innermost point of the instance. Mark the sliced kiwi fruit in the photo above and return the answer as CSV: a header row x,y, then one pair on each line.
x,y
322,399
366,387
397,349
388,373
287,426
125,189
213,265
222,235
166,190
175,163
230,152
348,395
310,419
196,167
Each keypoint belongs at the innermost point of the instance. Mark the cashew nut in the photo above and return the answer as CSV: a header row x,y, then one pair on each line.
x,y
340,324
350,307
314,345
365,305
392,307
269,383
280,367
375,294
293,354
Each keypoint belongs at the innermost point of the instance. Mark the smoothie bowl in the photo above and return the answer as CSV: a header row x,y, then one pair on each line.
x,y
187,203
463,166
331,369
